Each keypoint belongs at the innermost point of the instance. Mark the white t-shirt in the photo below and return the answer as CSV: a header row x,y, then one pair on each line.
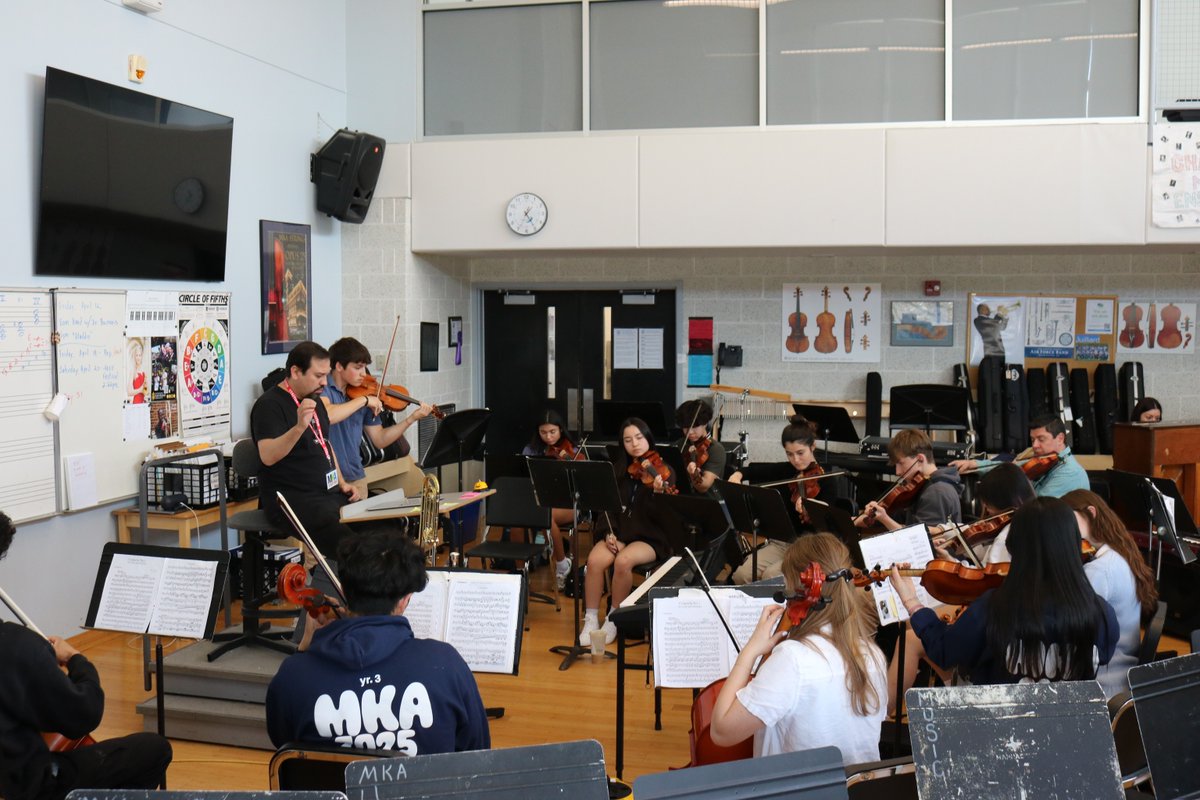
x,y
801,697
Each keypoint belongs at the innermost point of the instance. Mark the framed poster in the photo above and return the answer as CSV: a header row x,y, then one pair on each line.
x,y
286,258
922,323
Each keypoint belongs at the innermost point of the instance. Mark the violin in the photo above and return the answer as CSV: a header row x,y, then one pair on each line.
x,y
901,495
55,742
984,530
807,489
1131,335
393,396
797,340
1035,468
950,582
563,451
293,587
649,467
826,341
697,453
1169,337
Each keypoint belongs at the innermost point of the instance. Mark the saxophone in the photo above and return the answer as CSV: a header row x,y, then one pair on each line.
x,y
430,535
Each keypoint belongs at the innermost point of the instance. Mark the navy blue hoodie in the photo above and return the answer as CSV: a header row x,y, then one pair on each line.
x,y
368,683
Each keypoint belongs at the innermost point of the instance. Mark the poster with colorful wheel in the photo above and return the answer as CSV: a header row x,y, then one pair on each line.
x,y
202,384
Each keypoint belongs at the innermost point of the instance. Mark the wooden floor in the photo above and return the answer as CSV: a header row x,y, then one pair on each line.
x,y
542,704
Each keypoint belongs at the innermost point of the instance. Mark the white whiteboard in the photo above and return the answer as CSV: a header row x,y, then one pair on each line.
x,y
91,351
27,471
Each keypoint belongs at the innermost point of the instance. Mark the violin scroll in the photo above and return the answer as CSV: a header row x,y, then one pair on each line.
x,y
293,587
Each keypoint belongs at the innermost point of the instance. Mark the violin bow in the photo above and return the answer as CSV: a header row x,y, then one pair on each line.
x,y
955,530
708,594
798,480
684,444
19,614
387,359
312,547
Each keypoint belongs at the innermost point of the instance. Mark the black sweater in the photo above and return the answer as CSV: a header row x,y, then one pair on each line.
x,y
36,696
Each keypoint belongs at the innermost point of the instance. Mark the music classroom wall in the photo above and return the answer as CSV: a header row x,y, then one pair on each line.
x,y
129,370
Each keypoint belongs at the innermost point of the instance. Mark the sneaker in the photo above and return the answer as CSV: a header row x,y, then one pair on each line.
x,y
561,570
589,625
610,632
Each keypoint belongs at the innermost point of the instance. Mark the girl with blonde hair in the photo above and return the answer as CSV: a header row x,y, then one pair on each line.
x,y
825,681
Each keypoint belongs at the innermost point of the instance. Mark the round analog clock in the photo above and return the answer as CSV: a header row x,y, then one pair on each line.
x,y
526,214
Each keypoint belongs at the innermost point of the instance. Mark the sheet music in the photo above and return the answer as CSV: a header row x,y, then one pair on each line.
x,y
184,594
126,603
909,545
689,649
426,612
482,618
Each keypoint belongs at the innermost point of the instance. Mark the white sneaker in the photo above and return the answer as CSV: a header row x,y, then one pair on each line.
x,y
561,570
585,635
610,632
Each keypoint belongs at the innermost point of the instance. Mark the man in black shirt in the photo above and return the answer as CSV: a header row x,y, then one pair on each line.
x,y
291,428
36,696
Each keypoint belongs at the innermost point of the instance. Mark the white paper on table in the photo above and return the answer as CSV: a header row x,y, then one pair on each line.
x,y
906,545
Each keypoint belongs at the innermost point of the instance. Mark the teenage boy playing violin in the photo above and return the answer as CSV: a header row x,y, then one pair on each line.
x,y
350,417
1047,436
693,418
911,453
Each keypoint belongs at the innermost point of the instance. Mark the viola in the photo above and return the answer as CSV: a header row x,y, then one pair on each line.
x,y
826,341
393,396
1131,335
649,467
948,581
1169,337
292,586
986,529
563,451
797,340
1035,468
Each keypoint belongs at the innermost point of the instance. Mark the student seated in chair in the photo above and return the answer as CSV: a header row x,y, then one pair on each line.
x,y
50,687
364,681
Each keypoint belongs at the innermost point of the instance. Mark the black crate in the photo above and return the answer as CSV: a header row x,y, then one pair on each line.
x,y
275,559
240,487
197,479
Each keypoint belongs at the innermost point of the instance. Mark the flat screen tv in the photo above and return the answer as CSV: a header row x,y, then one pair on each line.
x,y
132,185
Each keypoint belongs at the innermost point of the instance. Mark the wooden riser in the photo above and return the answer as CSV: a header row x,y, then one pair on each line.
x,y
199,719
241,674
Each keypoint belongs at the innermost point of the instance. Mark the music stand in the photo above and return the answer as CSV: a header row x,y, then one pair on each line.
x,y
1162,692
458,438
833,422
693,521
759,511
828,518
816,774
504,465
931,406
1139,501
575,485
611,413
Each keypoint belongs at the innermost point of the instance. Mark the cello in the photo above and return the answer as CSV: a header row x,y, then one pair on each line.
x,y
826,341
797,340
55,742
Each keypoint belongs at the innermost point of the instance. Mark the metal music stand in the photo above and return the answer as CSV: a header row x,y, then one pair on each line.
x,y
1139,500
459,437
696,522
759,511
931,406
575,484
833,422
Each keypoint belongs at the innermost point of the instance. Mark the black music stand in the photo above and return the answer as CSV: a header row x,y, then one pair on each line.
x,y
1138,500
827,518
696,522
459,438
759,511
575,485
833,422
1164,692
611,413
930,406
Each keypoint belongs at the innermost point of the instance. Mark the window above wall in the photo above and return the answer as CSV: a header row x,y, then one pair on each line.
x,y
592,65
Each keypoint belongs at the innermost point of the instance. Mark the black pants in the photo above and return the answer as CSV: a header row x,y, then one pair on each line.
x,y
137,761
318,513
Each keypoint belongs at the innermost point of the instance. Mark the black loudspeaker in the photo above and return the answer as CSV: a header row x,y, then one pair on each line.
x,y
874,403
345,170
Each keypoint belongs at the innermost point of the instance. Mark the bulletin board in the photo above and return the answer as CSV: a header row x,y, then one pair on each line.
x,y
1080,330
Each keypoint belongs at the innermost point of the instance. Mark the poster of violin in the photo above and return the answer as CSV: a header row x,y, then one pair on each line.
x,y
1150,327
827,322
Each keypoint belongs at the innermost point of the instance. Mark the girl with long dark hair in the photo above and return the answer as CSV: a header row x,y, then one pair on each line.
x,y
552,435
1044,622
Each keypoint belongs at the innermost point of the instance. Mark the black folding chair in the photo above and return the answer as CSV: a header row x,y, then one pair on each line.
x,y
513,506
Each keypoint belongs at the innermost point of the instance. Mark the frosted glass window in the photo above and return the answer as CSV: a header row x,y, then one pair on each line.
x,y
504,70
855,61
1045,59
674,63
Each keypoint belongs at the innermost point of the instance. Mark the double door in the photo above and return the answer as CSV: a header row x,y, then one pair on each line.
x,y
555,349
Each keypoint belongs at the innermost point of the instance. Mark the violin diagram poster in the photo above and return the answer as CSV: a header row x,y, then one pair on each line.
x,y
1156,328
832,323
203,350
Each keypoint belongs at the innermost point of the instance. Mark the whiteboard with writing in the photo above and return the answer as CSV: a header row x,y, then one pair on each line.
x,y
27,471
91,349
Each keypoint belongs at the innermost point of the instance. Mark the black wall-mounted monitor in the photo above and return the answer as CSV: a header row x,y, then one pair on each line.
x,y
132,185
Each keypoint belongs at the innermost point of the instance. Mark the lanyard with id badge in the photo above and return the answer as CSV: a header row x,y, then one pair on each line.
x,y
331,477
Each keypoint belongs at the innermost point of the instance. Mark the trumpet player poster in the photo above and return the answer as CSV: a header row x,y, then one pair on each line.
x,y
997,328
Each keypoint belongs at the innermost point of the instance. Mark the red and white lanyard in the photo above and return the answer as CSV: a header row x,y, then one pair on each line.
x,y
314,423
